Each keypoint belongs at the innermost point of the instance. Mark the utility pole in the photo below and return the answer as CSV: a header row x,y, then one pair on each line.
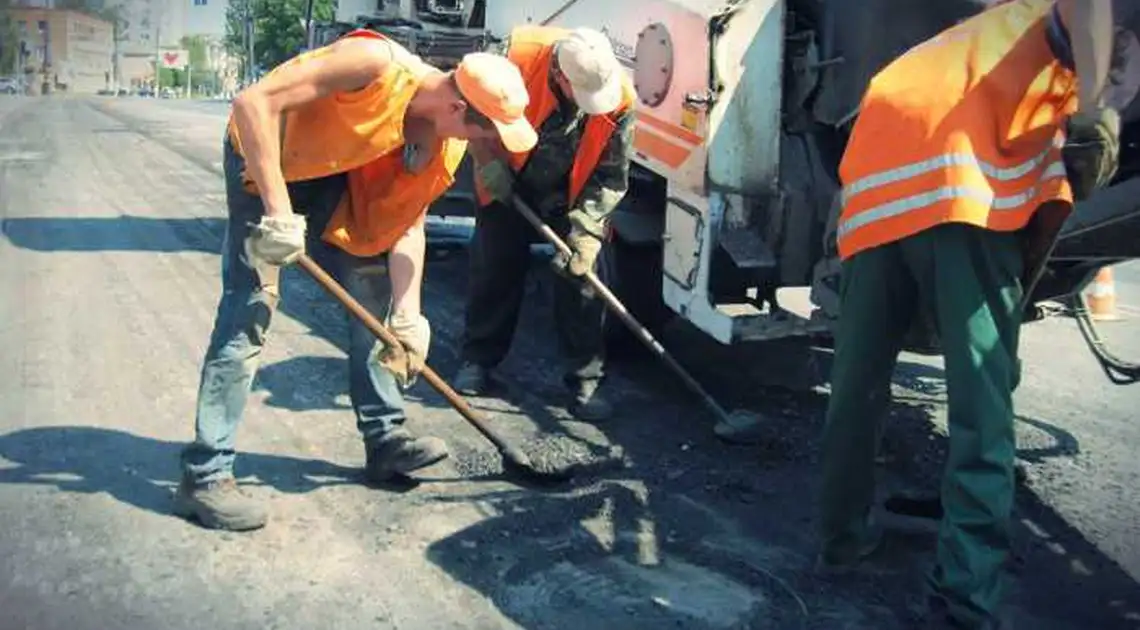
x,y
249,60
117,53
48,79
309,25
159,15
157,59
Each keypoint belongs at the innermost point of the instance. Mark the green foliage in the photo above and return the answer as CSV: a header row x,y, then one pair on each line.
x,y
201,76
172,78
279,31
9,41
197,47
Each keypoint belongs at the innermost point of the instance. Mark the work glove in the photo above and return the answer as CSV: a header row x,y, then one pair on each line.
x,y
276,240
406,362
498,180
586,246
1092,150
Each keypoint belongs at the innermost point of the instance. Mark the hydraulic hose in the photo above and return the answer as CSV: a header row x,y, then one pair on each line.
x,y
1119,371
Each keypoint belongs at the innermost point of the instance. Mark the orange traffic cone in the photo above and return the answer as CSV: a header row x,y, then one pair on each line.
x,y
1101,296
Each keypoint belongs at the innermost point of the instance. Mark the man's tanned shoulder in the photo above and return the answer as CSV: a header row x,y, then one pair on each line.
x,y
374,56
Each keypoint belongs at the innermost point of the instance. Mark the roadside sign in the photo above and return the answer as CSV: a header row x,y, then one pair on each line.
x,y
175,58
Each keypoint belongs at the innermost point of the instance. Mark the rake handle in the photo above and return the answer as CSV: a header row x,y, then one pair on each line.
x,y
617,308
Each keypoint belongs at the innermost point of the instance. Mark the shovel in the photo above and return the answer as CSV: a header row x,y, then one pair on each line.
x,y
515,461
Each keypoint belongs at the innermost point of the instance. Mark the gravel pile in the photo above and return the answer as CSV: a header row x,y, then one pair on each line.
x,y
548,453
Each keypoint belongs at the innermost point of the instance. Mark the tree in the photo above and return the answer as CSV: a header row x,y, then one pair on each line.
x,y
198,48
279,30
9,41
202,74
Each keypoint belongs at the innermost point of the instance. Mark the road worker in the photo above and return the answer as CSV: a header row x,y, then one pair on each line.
x,y
955,183
581,103
338,152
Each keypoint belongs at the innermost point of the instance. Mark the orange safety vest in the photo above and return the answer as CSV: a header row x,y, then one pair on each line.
x,y
531,48
362,134
964,128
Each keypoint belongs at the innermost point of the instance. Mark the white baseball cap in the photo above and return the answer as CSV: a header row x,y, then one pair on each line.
x,y
587,60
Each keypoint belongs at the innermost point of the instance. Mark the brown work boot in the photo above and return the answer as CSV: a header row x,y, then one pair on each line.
x,y
399,453
219,505
588,404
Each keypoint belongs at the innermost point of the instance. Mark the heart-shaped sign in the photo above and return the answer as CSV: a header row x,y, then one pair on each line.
x,y
170,58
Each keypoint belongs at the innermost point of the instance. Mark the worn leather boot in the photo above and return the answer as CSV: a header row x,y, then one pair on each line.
x,y
472,380
399,453
837,562
219,505
589,404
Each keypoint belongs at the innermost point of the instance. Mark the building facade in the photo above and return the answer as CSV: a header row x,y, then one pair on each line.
x,y
68,50
205,18
350,10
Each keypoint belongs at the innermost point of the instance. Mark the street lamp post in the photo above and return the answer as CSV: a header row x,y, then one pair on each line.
x,y
45,33
249,42
309,25
158,49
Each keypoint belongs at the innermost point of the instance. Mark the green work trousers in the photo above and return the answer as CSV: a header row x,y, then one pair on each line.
x,y
969,280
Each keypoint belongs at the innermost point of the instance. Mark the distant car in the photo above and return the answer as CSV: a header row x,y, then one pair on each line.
x,y
11,85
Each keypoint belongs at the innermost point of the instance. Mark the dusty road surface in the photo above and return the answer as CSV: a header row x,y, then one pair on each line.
x,y
112,218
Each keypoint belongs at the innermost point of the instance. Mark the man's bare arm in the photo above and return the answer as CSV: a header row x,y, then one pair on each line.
x,y
406,269
349,65
1091,33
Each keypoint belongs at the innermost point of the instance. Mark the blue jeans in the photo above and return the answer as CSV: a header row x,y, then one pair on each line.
x,y
249,297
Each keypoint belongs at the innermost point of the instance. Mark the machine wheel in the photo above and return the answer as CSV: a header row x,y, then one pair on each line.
x,y
633,272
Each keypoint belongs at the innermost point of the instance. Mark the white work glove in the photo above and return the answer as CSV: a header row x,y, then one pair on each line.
x,y
277,240
406,363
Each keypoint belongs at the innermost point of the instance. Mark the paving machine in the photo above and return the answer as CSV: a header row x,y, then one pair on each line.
x,y
436,30
743,114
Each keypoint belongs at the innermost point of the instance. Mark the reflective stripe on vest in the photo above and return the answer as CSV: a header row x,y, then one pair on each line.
x,y
531,49
1055,170
963,128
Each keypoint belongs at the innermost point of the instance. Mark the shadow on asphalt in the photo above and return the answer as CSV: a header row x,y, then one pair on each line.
x,y
324,386
1065,444
617,557
729,522
140,471
122,233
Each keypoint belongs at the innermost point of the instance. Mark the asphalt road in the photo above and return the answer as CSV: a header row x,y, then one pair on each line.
x,y
112,218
